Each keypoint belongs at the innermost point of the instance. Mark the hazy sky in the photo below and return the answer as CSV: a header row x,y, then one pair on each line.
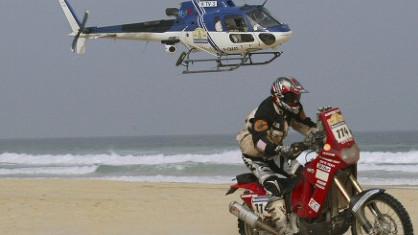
x,y
359,55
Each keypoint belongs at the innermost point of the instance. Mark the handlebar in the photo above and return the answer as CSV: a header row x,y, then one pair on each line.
x,y
314,141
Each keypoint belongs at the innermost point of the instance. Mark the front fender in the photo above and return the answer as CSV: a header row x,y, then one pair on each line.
x,y
358,200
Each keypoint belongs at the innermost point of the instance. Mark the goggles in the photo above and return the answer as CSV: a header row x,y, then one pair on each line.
x,y
291,98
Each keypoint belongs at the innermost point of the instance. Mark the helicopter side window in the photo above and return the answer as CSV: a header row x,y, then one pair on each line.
x,y
241,38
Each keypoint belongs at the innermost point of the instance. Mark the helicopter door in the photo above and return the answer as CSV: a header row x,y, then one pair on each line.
x,y
236,37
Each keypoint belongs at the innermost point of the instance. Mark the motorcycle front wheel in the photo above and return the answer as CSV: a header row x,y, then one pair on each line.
x,y
385,215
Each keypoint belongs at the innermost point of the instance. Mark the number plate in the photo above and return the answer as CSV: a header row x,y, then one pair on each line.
x,y
340,130
259,204
342,134
208,4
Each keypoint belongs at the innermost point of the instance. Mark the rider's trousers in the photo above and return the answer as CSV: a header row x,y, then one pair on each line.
x,y
268,174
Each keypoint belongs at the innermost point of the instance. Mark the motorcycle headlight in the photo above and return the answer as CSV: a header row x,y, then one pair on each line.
x,y
351,155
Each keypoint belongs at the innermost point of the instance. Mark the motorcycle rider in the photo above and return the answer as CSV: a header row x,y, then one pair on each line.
x,y
266,128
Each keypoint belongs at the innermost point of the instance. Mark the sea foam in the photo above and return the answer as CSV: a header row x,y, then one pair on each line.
x,y
228,157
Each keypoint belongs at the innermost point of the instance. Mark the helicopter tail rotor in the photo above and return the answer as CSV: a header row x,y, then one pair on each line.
x,y
78,27
79,44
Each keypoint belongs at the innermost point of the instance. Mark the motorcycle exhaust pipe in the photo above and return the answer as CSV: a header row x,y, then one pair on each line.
x,y
249,217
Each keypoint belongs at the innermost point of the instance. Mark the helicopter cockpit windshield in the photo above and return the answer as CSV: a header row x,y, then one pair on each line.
x,y
261,17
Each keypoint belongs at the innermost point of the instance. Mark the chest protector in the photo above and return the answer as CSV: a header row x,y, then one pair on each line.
x,y
276,134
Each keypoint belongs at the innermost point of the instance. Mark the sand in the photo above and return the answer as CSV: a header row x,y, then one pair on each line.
x,y
82,207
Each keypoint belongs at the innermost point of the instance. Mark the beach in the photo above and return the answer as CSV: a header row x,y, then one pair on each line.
x,y
90,207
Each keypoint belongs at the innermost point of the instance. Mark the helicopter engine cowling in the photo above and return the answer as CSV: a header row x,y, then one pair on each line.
x,y
170,49
172,12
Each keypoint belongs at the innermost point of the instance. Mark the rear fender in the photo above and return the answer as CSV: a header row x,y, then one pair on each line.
x,y
252,187
232,189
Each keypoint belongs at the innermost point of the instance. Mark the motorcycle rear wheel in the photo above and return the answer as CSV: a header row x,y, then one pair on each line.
x,y
245,229
391,219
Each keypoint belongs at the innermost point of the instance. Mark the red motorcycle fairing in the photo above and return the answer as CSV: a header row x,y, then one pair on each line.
x,y
339,152
311,193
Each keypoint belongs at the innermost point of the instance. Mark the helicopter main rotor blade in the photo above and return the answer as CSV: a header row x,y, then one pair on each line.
x,y
265,2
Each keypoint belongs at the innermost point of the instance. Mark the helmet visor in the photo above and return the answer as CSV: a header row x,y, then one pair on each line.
x,y
291,99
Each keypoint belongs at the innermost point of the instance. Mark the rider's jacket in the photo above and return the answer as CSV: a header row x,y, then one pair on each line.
x,y
267,126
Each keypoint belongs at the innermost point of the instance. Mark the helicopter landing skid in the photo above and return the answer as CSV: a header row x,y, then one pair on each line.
x,y
225,63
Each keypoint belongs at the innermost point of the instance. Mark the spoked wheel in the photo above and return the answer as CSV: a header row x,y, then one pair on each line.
x,y
384,215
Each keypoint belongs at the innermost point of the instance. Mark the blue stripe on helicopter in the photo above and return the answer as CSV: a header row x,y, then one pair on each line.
x,y
202,24
197,7
210,40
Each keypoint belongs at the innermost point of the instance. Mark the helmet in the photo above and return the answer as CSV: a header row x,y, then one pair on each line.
x,y
286,92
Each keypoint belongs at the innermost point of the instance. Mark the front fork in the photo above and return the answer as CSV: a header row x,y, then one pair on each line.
x,y
358,201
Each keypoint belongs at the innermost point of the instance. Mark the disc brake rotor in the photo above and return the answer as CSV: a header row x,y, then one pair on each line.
x,y
385,225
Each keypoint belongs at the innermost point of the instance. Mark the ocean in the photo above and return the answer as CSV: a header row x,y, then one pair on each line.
x,y
387,158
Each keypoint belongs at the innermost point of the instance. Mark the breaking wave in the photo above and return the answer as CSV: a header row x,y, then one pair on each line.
x,y
388,168
229,157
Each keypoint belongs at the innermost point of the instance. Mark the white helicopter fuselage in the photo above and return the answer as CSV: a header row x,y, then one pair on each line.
x,y
223,40
230,43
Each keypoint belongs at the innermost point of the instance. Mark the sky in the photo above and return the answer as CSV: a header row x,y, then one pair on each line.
x,y
358,55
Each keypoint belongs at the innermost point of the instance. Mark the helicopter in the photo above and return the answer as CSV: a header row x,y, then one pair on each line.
x,y
234,35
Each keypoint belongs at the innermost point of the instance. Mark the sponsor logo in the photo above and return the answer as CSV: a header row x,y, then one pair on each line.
x,y
322,175
331,113
321,183
260,199
200,36
320,186
335,119
323,167
186,12
314,205
329,154
327,163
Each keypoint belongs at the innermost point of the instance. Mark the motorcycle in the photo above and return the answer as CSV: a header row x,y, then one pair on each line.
x,y
324,197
